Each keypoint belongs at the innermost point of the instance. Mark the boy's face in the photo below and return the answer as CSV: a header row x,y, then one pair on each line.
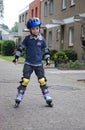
x,y
35,30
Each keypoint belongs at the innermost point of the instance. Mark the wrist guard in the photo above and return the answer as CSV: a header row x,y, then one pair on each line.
x,y
48,61
16,58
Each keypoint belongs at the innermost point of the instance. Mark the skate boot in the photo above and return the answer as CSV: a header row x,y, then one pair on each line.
x,y
48,98
19,97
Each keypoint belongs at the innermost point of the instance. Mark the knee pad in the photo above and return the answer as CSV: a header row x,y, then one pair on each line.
x,y
42,81
24,81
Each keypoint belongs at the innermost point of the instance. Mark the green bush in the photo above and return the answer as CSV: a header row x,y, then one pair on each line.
x,y
1,42
71,54
60,56
8,47
52,52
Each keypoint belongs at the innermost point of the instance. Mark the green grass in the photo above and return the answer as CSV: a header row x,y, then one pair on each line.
x,y
10,58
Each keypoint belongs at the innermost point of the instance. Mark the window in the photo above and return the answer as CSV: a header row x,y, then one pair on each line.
x,y
64,4
50,39
83,35
26,17
45,9
82,31
32,12
72,2
51,7
71,36
36,11
57,34
23,18
0,35
19,19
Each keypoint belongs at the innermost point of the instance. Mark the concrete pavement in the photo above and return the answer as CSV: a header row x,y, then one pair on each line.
x,y
66,87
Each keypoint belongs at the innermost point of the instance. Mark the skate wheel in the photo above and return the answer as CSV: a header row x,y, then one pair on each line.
x,y
50,104
17,102
16,105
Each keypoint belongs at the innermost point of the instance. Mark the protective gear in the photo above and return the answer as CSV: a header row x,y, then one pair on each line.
x,y
42,81
20,48
19,96
18,53
47,56
33,22
24,82
48,61
16,59
46,95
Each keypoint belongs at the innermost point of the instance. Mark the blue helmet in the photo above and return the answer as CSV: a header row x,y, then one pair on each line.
x,y
33,22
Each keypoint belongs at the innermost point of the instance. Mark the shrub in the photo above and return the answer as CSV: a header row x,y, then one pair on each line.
x,y
60,56
72,65
1,42
8,47
71,54
52,52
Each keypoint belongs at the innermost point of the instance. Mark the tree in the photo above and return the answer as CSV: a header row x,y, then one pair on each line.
x,y
5,27
1,8
15,27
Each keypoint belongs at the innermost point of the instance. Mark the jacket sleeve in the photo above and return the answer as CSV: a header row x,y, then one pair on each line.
x,y
46,51
20,48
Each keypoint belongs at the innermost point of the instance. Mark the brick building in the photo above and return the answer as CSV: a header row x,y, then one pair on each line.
x,y
62,32
34,9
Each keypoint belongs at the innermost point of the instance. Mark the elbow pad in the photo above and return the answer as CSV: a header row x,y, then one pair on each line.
x,y
20,48
46,54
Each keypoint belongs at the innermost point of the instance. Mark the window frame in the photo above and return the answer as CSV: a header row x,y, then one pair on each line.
x,y
51,7
64,4
20,19
50,39
45,9
71,36
36,11
82,31
72,2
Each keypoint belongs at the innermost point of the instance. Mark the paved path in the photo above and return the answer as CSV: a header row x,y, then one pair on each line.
x,y
67,89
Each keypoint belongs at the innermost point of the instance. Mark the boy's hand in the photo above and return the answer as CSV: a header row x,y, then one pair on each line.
x,y
15,61
48,62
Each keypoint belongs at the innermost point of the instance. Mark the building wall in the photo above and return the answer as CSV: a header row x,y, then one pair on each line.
x,y
48,20
23,17
34,9
59,32
66,15
70,11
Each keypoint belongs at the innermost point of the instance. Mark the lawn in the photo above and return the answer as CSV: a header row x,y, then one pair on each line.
x,y
10,58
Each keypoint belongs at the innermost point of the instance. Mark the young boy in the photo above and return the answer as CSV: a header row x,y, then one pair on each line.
x,y
33,44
